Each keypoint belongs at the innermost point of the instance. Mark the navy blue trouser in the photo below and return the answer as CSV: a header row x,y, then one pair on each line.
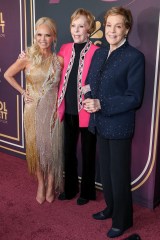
x,y
115,161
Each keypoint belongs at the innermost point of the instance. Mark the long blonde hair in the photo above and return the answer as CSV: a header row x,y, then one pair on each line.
x,y
33,52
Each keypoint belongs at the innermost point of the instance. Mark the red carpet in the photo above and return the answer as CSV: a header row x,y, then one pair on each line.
x,y
22,218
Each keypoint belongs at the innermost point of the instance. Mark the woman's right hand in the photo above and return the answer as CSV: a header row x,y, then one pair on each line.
x,y
27,97
91,105
22,55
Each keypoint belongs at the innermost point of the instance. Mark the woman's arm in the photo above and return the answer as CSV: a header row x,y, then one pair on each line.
x,y
132,97
10,74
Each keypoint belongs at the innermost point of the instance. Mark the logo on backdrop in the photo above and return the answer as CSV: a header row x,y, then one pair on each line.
x,y
98,33
2,25
3,112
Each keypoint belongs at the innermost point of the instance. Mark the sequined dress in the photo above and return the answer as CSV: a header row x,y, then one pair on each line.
x,y
43,130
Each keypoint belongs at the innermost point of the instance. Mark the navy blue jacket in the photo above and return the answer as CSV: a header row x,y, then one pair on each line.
x,y
118,82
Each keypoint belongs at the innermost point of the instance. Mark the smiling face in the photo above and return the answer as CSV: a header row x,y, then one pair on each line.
x,y
115,30
44,37
79,29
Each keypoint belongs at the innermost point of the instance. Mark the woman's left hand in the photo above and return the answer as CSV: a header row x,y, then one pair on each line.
x,y
91,105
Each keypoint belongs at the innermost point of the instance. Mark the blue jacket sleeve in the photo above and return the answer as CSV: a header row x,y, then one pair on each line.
x,y
132,97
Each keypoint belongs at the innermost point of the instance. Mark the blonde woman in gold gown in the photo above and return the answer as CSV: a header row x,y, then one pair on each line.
x,y
43,130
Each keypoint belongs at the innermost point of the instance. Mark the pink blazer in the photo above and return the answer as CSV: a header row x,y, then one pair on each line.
x,y
65,52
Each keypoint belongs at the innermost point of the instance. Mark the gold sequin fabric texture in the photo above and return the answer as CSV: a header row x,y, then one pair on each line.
x,y
43,130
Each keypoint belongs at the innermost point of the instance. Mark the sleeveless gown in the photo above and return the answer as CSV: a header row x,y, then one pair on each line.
x,y
43,129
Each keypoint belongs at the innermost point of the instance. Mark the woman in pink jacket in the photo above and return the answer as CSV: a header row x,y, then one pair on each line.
x,y
77,58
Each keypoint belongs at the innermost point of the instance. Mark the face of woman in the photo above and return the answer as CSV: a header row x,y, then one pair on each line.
x,y
79,30
115,30
44,37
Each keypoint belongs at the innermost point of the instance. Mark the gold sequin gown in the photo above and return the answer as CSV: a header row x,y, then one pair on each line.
x,y
43,130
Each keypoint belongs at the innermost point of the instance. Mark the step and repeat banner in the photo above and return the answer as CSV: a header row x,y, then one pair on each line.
x,y
11,103
16,31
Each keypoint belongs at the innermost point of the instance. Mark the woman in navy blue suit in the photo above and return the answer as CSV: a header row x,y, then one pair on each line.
x,y
116,81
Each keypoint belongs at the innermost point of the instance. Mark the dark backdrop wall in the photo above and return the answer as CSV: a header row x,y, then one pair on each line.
x,y
144,36
11,103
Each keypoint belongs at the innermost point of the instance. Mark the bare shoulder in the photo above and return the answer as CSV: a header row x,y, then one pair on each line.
x,y
23,62
61,61
17,66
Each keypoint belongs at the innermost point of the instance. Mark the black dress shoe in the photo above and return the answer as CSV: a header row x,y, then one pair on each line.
x,y
62,196
82,201
102,215
113,233
134,236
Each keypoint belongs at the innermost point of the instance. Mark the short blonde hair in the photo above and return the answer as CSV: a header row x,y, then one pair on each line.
x,y
89,16
126,13
33,52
